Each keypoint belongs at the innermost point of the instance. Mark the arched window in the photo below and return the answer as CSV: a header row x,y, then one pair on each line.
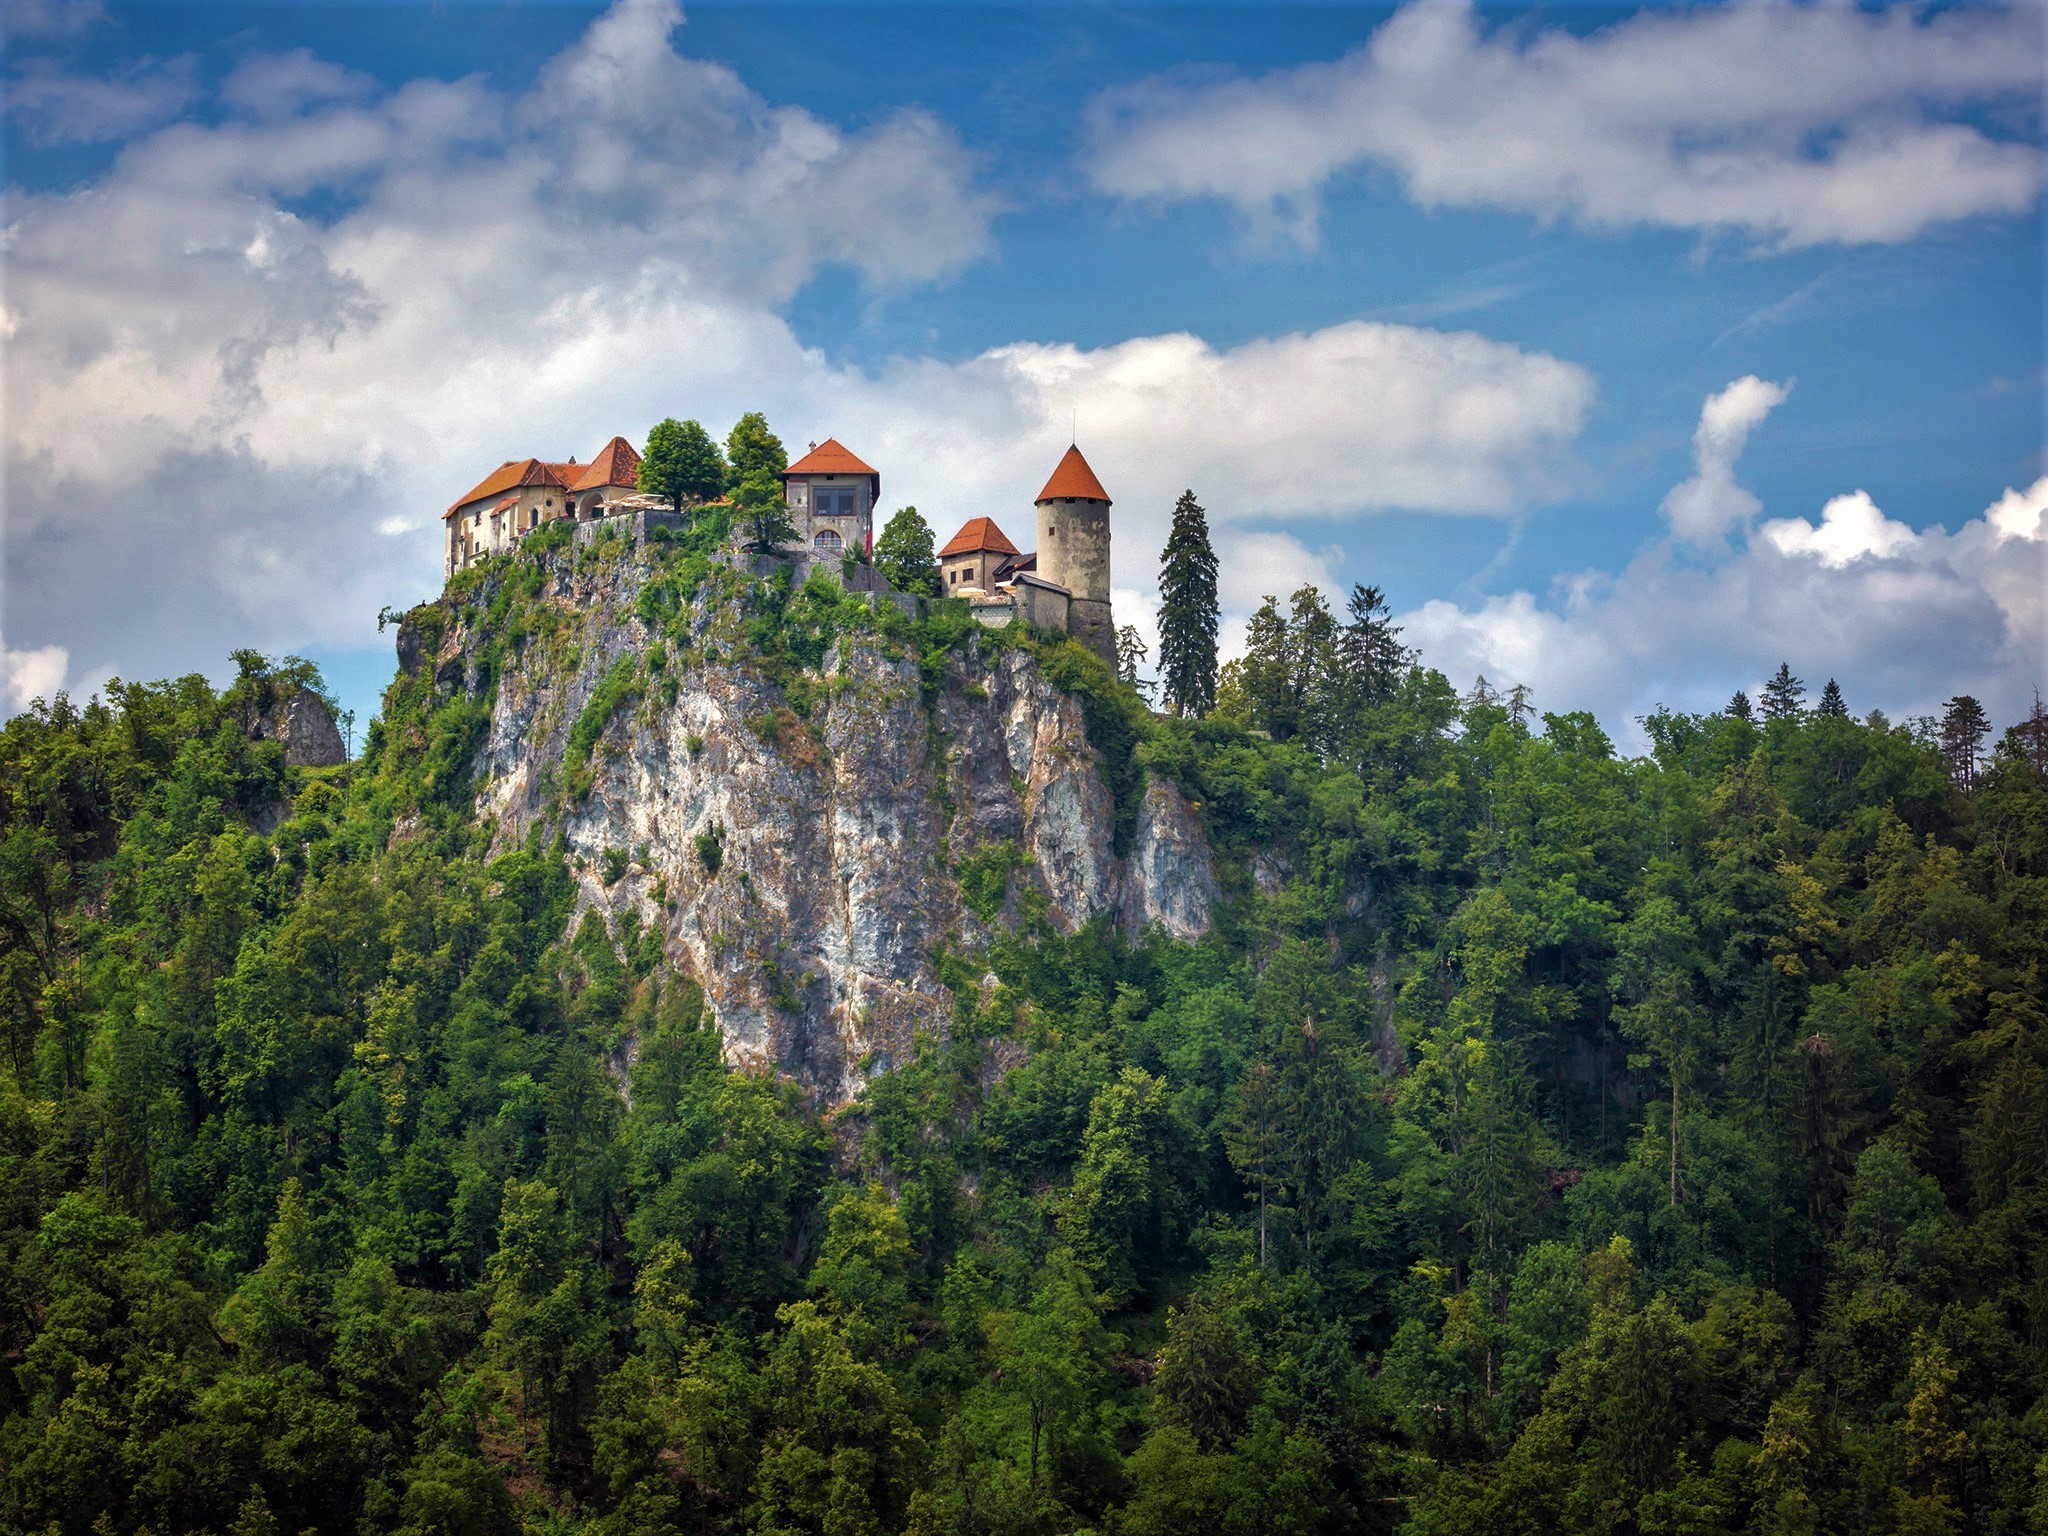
x,y
828,542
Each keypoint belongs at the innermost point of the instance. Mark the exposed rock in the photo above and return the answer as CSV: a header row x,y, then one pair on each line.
x,y
306,726
836,837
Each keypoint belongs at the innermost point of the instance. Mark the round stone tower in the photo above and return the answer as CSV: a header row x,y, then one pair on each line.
x,y
1073,550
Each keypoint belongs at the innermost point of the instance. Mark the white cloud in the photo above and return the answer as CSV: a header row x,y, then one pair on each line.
x,y
1851,528
55,106
1706,506
1903,619
1791,125
281,406
28,675
2022,514
279,84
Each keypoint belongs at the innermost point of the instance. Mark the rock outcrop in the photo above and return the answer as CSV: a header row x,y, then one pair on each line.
x,y
804,871
305,725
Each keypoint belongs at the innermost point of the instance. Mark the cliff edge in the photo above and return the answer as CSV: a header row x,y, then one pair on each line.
x,y
807,795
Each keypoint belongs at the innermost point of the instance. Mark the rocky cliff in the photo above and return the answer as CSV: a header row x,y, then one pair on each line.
x,y
799,837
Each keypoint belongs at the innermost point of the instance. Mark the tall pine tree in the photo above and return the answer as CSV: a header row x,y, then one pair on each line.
x,y
1964,725
1188,612
1784,695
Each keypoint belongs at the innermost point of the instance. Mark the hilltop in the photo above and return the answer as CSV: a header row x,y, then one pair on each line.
x,y
741,1053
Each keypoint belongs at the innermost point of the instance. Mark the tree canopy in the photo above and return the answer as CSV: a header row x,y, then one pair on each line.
x,y
681,463
1541,1139
904,554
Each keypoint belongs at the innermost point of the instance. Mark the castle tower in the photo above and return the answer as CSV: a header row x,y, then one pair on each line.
x,y
1073,550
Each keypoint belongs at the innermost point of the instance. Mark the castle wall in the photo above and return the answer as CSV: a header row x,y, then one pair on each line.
x,y
802,493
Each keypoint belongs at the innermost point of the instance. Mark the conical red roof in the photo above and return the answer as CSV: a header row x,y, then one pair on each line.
x,y
1073,479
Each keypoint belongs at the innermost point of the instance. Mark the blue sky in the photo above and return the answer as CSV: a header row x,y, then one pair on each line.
x,y
1630,352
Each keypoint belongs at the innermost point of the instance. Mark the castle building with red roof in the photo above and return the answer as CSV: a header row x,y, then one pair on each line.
x,y
521,494
1063,584
831,496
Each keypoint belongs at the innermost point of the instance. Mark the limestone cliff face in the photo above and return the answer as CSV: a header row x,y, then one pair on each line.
x,y
804,871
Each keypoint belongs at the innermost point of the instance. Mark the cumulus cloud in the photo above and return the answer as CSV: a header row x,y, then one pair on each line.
x,y
281,404
1706,506
1851,528
55,106
1904,619
31,674
1789,125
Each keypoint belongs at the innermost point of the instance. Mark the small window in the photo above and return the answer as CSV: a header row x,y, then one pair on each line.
x,y
828,542
1052,530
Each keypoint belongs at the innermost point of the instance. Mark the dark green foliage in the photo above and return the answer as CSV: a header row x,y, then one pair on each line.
x,y
1542,1141
1188,612
681,463
904,554
751,449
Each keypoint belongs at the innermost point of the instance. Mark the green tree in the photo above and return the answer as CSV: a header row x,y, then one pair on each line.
x,y
1964,725
1831,706
763,509
1784,695
1115,1217
751,449
1188,612
681,463
903,554
1207,1378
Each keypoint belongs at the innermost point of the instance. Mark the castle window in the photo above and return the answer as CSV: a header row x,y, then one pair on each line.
x,y
1052,530
828,541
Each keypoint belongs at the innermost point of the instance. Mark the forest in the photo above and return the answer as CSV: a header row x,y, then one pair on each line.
x,y
1546,1139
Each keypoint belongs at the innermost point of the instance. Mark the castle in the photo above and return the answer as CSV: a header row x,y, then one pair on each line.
x,y
831,496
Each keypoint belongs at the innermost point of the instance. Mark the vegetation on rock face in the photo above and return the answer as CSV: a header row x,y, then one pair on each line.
x,y
1543,1141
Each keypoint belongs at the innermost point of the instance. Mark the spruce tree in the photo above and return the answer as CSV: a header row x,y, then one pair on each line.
x,y
903,554
1784,695
1831,705
1964,725
1188,612
1739,707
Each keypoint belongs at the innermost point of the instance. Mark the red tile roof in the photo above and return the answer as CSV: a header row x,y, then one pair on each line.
x,y
1074,479
616,464
976,535
511,474
829,458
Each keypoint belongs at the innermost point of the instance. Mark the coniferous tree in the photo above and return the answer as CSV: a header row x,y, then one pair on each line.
x,y
681,463
1131,652
1784,695
1831,706
1188,612
904,554
1739,707
1964,725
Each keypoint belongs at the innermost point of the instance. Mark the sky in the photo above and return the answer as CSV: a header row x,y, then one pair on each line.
x,y
1629,352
